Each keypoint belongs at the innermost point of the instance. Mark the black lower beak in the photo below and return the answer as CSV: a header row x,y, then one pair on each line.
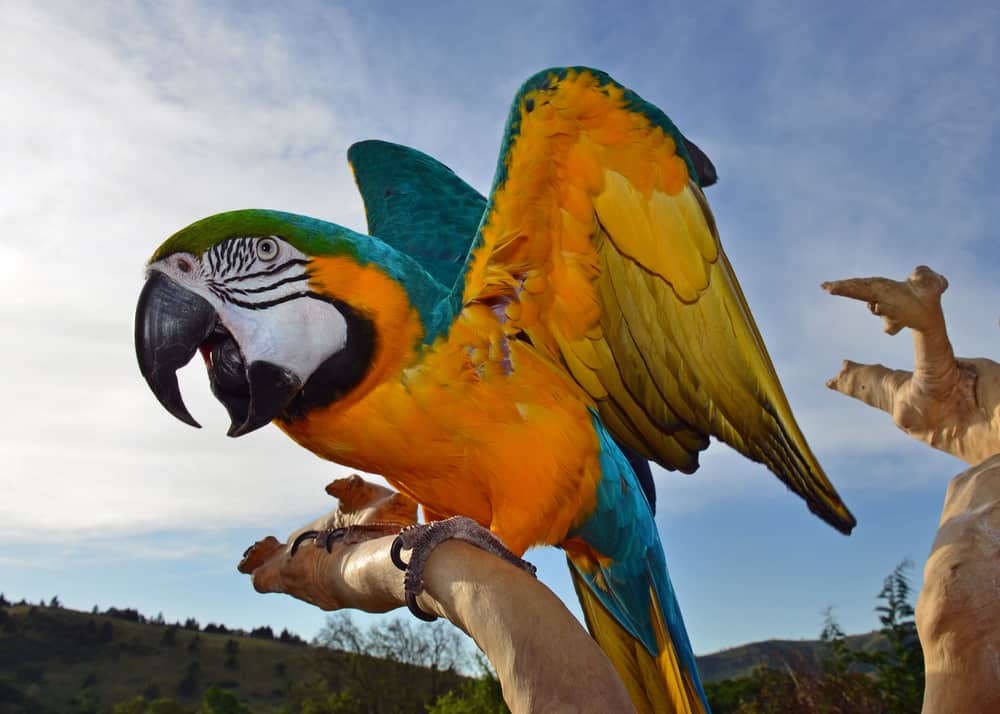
x,y
170,323
271,389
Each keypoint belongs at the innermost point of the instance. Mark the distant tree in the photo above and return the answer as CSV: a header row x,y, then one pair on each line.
x,y
169,637
219,701
290,638
482,695
3,601
900,671
190,683
151,692
232,648
145,705
341,633
191,624
107,633
136,705
158,620
437,647
54,602
95,611
86,702
264,633
128,613
167,706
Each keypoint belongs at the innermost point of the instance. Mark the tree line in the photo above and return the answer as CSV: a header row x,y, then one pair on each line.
x,y
133,615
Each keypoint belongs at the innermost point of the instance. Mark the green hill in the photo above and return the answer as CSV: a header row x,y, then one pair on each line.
x,y
798,655
54,659
59,660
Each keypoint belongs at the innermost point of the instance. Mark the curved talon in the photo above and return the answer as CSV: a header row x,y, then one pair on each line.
x,y
331,537
411,604
394,555
298,541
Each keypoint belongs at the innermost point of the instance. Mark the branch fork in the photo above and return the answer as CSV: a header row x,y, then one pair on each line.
x,y
950,403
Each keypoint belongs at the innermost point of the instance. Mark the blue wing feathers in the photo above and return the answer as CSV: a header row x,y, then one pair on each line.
x,y
417,205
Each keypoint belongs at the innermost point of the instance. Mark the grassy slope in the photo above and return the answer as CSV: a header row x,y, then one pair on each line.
x,y
49,653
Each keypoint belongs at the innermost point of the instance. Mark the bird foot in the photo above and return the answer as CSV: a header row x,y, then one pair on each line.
x,y
348,535
421,539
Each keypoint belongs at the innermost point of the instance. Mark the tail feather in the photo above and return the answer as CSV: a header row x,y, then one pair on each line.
x,y
620,574
655,683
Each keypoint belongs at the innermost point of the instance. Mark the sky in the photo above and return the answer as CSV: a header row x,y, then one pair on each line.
x,y
850,139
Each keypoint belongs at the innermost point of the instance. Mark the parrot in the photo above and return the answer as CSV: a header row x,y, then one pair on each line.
x,y
517,360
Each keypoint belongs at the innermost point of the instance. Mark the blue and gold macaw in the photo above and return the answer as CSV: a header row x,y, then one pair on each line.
x,y
498,359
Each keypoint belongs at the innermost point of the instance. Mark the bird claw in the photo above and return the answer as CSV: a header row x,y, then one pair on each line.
x,y
328,537
421,539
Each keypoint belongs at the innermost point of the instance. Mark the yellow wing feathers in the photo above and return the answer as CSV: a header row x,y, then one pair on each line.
x,y
605,255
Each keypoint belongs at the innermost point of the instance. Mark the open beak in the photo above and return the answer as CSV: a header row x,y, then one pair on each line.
x,y
171,324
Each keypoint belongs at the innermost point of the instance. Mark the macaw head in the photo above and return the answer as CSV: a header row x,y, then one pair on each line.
x,y
279,335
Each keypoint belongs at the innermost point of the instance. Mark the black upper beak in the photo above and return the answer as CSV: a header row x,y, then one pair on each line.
x,y
170,323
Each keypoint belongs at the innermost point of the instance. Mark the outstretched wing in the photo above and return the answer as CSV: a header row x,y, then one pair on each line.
x,y
417,205
599,244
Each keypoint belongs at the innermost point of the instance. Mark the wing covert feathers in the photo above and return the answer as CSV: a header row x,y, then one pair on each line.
x,y
599,244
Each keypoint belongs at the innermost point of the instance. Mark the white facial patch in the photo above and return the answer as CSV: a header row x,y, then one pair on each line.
x,y
299,334
260,290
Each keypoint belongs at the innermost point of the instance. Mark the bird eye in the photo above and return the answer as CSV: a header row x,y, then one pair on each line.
x,y
267,249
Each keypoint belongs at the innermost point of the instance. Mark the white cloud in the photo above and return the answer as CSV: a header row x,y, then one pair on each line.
x,y
129,127
122,122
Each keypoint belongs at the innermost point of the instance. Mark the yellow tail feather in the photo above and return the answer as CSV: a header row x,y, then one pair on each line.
x,y
656,685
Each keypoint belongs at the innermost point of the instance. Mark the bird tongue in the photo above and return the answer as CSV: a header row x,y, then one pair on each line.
x,y
227,373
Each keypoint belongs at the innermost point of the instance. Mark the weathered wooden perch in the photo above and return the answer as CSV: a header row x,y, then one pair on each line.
x,y
953,404
958,612
545,660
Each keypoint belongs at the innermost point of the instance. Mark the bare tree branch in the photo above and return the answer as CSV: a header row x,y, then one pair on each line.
x,y
958,610
952,404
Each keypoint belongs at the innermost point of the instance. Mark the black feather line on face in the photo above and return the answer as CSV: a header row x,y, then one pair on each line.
x,y
274,270
264,304
272,286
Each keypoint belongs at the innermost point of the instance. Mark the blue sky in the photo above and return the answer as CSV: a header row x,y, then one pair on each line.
x,y
850,139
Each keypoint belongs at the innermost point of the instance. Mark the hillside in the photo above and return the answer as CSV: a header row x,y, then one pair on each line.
x,y
799,655
54,659
61,660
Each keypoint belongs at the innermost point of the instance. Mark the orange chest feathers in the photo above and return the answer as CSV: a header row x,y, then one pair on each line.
x,y
475,424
